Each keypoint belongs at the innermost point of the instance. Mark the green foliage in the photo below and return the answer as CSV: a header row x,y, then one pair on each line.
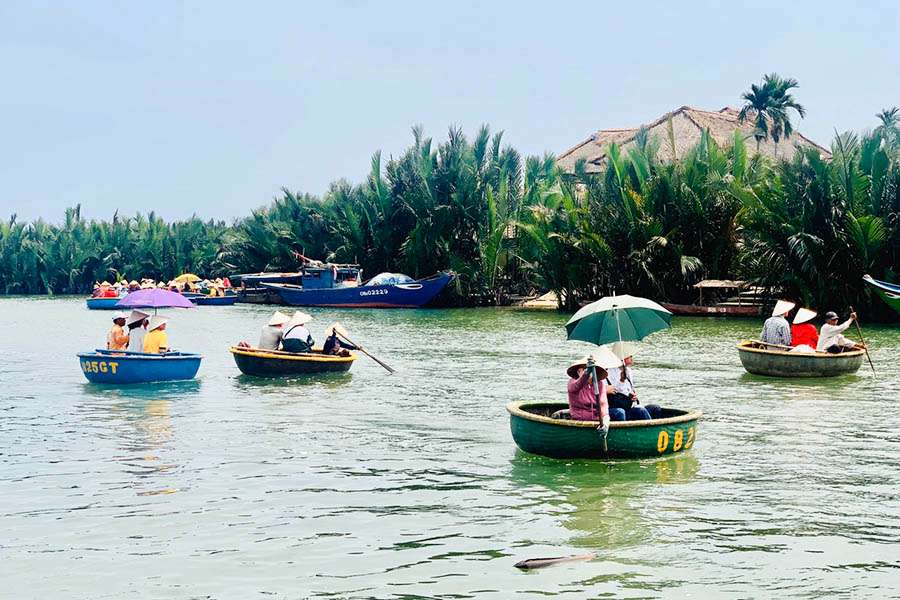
x,y
808,228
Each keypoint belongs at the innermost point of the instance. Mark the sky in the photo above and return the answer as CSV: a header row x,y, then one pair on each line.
x,y
210,108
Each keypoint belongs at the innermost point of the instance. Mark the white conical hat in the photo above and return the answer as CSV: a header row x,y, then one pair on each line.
x,y
603,358
782,307
136,316
156,321
803,315
298,318
279,318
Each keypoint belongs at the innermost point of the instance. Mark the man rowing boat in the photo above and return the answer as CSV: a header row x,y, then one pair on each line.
x,y
832,339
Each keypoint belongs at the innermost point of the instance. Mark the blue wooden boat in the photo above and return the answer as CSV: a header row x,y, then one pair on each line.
x,y
226,300
321,288
120,368
103,303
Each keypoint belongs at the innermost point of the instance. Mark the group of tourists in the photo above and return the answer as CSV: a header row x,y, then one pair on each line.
x,y
211,287
615,398
289,333
138,332
802,336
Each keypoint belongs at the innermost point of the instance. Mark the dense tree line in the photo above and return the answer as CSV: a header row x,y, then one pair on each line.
x,y
809,227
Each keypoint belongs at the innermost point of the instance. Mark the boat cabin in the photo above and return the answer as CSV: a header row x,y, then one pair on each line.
x,y
334,276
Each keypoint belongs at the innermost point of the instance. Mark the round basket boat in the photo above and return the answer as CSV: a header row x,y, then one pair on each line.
x,y
537,432
276,363
102,303
119,368
760,359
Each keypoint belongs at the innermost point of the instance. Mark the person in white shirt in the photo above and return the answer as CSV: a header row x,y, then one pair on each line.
x,y
271,334
297,337
621,393
137,328
831,338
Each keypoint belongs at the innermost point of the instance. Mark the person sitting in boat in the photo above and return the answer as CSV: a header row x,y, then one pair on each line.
x,y
804,336
832,340
137,328
272,332
156,341
297,338
106,291
335,345
117,339
776,329
583,404
622,395
133,286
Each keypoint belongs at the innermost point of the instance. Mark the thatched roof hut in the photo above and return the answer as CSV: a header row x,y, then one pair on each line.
x,y
687,124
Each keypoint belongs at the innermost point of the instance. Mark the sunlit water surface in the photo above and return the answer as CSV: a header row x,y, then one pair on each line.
x,y
367,485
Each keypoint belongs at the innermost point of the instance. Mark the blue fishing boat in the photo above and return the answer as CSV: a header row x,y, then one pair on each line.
x,y
103,303
328,287
889,292
124,367
226,300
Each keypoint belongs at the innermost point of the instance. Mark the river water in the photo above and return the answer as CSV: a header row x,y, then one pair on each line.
x,y
367,485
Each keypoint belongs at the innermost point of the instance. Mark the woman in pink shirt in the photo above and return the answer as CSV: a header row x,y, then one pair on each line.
x,y
582,401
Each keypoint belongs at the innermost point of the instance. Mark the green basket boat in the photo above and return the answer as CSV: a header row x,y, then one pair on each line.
x,y
536,432
276,363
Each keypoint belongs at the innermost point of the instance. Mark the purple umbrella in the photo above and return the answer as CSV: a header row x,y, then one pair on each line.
x,y
154,298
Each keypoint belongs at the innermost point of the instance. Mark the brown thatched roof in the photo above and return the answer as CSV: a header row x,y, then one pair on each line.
x,y
687,124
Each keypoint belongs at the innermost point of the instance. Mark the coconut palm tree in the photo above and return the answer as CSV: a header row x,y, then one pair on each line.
x,y
768,104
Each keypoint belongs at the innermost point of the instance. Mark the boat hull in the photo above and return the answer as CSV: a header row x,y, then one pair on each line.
x,y
214,300
123,368
265,363
535,432
102,303
403,295
889,292
693,310
780,363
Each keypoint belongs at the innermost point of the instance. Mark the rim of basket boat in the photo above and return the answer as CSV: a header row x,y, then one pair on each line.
x,y
147,356
515,408
742,346
305,358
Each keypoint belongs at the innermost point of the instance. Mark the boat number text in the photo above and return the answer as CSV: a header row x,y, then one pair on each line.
x,y
374,293
678,440
99,366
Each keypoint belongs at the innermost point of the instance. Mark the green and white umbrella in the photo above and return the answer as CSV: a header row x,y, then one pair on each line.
x,y
617,319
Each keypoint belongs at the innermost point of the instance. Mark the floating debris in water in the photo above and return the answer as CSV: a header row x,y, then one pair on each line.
x,y
540,563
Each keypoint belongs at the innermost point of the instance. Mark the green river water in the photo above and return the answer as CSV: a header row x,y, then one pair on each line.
x,y
367,485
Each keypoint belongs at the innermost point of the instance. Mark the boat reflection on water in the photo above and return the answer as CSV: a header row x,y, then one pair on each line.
x,y
140,418
606,504
277,385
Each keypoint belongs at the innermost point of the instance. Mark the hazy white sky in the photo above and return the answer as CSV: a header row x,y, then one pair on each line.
x,y
212,107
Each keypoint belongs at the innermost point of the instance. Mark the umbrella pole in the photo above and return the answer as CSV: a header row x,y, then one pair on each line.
x,y
619,331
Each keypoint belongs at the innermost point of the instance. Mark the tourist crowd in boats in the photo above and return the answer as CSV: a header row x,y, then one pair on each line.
x,y
193,285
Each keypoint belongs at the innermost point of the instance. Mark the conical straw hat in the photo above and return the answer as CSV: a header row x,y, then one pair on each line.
x,y
782,307
803,315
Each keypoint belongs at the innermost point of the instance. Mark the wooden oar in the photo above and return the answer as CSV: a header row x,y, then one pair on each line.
x,y
596,387
339,329
863,340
